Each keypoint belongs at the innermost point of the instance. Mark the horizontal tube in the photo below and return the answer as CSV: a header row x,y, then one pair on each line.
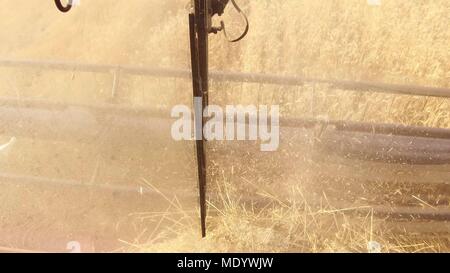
x,y
223,76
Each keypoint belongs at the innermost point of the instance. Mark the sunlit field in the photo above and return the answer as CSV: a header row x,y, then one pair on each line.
x,y
258,202
403,42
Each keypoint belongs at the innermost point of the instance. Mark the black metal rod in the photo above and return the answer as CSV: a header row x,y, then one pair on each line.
x,y
197,93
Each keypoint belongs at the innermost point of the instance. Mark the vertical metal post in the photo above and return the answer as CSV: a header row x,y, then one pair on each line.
x,y
199,29
203,21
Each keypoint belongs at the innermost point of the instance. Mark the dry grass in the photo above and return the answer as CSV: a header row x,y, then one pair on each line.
x,y
286,226
402,41
399,42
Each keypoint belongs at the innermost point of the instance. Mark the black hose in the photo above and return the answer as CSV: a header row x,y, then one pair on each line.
x,y
63,8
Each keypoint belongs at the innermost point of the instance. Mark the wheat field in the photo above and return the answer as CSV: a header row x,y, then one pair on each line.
x,y
399,42
403,42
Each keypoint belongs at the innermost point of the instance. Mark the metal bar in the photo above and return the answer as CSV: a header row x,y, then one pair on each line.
x,y
35,180
82,123
202,16
98,68
414,90
198,93
412,213
315,207
122,110
100,108
432,228
202,9
221,76
374,128
409,213
393,149
400,212
379,142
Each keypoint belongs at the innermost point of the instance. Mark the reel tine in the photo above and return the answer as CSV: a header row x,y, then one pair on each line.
x,y
63,8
